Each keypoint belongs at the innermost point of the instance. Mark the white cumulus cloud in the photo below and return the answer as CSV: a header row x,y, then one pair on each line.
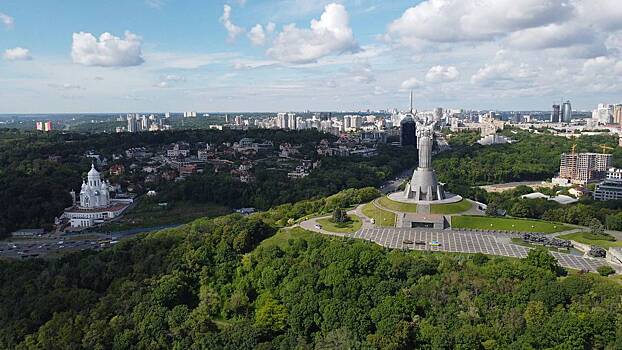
x,y
503,71
257,36
603,14
107,50
232,30
169,80
270,27
362,72
439,74
473,20
550,36
411,83
7,20
602,66
17,54
379,90
330,35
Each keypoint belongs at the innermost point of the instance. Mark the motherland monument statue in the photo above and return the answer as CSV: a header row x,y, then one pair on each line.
x,y
424,186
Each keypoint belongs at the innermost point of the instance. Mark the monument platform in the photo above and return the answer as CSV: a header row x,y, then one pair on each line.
x,y
400,197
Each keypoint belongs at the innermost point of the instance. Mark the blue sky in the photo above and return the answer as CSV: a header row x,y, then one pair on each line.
x,y
176,55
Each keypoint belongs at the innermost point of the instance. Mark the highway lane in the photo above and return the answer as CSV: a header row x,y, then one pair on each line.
x,y
40,248
392,185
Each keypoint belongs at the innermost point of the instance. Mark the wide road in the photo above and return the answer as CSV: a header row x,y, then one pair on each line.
x,y
392,185
42,246
458,241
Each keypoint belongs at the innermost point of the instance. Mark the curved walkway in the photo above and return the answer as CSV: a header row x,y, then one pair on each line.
x,y
313,224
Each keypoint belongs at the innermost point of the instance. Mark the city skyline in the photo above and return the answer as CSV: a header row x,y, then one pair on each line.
x,y
293,55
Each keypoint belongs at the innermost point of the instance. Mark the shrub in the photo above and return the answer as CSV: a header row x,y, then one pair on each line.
x,y
606,270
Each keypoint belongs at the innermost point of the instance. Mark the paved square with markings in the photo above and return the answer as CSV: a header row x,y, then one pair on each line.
x,y
493,243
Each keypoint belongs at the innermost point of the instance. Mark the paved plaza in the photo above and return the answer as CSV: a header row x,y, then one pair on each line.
x,y
493,243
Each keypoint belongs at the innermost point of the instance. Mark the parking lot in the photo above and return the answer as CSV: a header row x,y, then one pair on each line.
x,y
493,243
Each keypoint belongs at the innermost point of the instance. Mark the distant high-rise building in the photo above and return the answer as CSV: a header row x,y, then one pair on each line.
x,y
438,113
282,121
555,114
144,123
357,122
132,123
617,114
611,187
291,121
347,122
603,114
408,132
584,167
301,123
566,112
44,125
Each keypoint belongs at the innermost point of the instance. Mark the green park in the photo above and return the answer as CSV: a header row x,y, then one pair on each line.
x,y
351,224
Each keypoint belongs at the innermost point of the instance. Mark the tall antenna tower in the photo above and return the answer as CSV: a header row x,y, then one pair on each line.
x,y
412,111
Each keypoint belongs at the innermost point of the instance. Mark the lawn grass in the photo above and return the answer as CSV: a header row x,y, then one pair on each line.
x,y
506,224
583,237
451,208
147,213
381,217
397,206
350,226
281,237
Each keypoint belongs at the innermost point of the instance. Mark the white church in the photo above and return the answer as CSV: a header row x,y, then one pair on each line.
x,y
95,205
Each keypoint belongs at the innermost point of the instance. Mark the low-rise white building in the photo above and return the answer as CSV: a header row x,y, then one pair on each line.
x,y
611,187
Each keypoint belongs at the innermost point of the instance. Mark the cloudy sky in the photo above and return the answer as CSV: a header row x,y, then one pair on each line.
x,y
258,55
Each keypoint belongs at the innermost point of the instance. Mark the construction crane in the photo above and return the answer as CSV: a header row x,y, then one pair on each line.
x,y
605,148
574,148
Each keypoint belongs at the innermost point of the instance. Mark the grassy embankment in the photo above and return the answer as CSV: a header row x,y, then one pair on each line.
x,y
381,217
449,208
506,224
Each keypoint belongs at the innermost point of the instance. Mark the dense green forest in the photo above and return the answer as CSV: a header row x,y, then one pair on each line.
x,y
35,189
274,188
533,157
212,285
